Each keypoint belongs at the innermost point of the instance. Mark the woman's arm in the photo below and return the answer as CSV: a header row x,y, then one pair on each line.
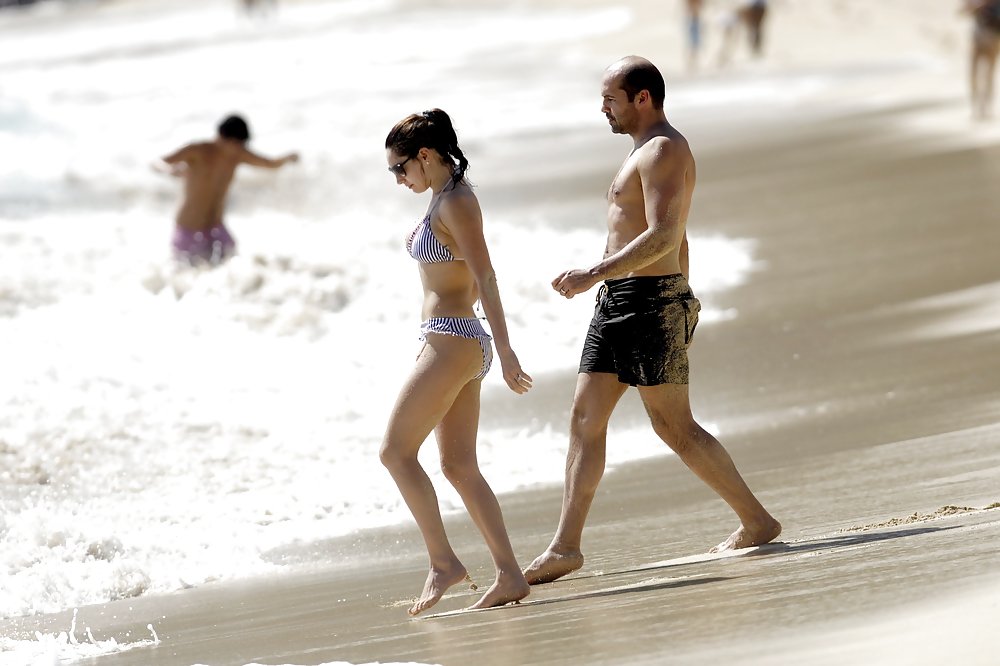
x,y
462,218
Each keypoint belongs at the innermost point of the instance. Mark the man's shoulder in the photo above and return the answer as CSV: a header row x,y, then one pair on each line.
x,y
199,148
671,140
669,148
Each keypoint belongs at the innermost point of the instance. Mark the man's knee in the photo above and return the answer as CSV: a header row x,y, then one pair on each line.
x,y
662,425
585,425
677,429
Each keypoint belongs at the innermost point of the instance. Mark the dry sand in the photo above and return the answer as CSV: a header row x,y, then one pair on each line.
x,y
857,390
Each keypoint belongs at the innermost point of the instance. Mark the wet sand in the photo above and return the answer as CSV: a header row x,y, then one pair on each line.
x,y
856,390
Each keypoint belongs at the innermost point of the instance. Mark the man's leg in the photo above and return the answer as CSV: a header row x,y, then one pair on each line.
x,y
595,399
755,23
670,413
989,74
976,59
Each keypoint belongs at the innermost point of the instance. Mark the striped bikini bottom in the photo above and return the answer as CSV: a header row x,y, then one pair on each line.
x,y
462,327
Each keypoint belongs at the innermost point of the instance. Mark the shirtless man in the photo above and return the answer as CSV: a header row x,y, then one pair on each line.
x,y
643,323
207,168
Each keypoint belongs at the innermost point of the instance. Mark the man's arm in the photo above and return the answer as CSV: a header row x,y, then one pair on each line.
x,y
683,257
661,173
176,163
253,159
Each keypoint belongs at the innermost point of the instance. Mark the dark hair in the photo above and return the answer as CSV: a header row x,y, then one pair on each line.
x,y
638,75
234,127
430,129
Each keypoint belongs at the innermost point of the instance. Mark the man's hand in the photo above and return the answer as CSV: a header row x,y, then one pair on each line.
x,y
573,282
176,170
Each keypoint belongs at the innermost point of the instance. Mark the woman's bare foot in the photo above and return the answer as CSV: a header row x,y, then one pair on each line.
x,y
745,537
551,565
508,588
438,582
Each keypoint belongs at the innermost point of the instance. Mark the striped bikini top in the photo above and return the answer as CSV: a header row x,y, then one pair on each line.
x,y
424,246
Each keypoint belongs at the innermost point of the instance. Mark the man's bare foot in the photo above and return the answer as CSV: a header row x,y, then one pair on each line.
x,y
552,565
508,588
438,582
745,537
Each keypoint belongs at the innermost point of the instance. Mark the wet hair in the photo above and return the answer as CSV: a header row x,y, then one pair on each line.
x,y
430,129
234,127
638,74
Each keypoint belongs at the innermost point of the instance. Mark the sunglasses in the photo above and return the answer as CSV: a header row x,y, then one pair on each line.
x,y
399,169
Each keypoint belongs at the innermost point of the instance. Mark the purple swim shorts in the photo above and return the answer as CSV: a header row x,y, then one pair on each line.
x,y
213,245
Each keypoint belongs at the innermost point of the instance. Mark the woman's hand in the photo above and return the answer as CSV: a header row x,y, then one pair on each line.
x,y
517,379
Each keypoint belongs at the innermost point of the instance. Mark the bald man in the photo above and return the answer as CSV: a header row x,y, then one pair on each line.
x,y
643,323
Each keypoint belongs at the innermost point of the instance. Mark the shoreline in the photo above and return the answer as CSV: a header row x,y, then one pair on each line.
x,y
870,577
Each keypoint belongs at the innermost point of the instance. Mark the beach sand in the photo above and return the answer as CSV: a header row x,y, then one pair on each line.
x,y
857,391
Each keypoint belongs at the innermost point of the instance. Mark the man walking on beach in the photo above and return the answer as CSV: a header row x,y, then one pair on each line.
x,y
643,323
200,237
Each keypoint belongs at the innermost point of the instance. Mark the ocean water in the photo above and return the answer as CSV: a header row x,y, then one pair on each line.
x,y
162,427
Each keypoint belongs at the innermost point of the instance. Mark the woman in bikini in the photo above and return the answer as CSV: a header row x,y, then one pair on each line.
x,y
442,392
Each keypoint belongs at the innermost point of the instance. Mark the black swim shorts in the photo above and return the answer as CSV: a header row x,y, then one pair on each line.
x,y
641,330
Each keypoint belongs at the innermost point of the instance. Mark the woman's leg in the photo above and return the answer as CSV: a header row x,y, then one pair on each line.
x,y
456,436
443,367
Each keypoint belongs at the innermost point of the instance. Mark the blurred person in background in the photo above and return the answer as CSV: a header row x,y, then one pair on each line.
x,y
983,56
752,15
693,25
748,15
259,7
200,235
441,393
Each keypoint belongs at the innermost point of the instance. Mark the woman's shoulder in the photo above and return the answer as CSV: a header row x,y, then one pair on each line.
x,y
459,202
